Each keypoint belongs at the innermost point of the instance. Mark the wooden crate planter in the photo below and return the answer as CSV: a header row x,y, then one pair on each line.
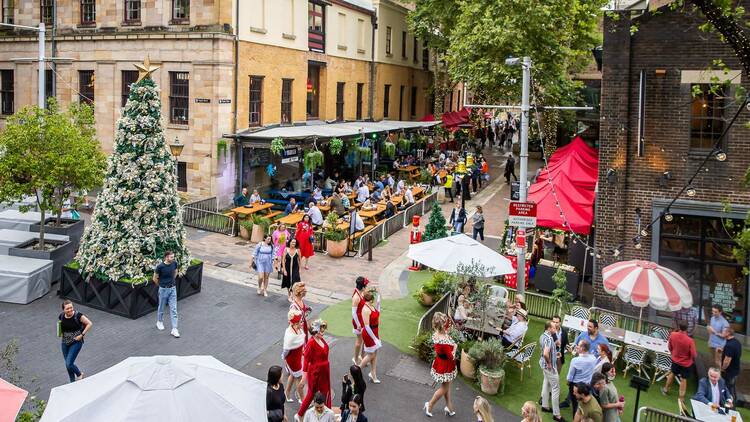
x,y
122,298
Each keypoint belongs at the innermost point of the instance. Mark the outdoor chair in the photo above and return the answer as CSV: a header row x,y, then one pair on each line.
x,y
660,332
634,359
662,366
579,312
684,411
522,357
498,295
609,320
616,349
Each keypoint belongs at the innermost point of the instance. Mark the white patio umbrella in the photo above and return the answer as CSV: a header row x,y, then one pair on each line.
x,y
163,389
447,253
645,283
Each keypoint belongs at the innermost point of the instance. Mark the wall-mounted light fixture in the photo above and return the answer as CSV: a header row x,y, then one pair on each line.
x,y
664,178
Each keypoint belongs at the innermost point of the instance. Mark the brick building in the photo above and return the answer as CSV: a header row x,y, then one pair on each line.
x,y
654,136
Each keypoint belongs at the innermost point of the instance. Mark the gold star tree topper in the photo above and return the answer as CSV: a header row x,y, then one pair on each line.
x,y
145,70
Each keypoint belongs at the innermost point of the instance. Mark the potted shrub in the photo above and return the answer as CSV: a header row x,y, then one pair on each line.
x,y
490,358
424,347
260,228
336,239
246,227
468,362
428,293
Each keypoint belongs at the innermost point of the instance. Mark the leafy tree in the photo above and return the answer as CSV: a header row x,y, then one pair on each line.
x,y
138,216
435,228
49,154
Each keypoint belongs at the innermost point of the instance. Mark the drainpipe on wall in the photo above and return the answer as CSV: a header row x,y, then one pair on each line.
x,y
54,54
237,143
371,96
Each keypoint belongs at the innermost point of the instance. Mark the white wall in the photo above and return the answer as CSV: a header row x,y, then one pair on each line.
x,y
348,33
281,23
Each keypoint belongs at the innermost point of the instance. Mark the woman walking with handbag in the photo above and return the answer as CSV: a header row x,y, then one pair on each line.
x,y
72,327
357,303
263,257
290,265
275,396
305,235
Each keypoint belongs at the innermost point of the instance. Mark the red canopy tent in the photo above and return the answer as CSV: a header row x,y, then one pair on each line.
x,y
583,172
452,119
576,147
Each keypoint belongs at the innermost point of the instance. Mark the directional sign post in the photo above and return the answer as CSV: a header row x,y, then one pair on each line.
x,y
522,214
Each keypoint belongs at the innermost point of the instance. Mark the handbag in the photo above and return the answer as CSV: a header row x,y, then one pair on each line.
x,y
312,238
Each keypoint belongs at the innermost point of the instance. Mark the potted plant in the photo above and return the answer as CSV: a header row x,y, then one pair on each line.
x,y
260,228
336,239
490,358
468,362
424,347
335,145
246,227
277,146
428,294
389,149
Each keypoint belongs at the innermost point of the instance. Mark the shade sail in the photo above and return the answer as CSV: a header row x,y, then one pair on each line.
x,y
452,119
576,203
449,253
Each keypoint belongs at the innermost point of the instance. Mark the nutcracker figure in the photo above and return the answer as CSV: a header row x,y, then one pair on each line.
x,y
415,237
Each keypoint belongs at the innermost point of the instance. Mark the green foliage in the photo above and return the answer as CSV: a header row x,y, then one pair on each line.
x,y
561,290
488,354
247,224
335,145
389,149
425,177
138,215
221,147
424,347
50,155
404,144
364,152
435,228
277,146
313,159
33,407
332,232
264,222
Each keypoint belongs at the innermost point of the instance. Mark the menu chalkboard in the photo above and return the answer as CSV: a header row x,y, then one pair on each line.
x,y
259,157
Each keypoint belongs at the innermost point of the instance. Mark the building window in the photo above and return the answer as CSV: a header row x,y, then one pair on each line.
x,y
132,11
182,176
47,12
256,100
388,39
401,103
8,11
386,100
458,101
450,102
129,77
179,97
286,100
415,50
425,59
6,92
88,12
403,44
49,85
313,91
361,35
700,249
360,94
340,101
180,11
413,100
316,35
86,86
706,116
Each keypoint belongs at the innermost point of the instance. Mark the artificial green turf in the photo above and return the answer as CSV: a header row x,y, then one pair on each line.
x,y
398,325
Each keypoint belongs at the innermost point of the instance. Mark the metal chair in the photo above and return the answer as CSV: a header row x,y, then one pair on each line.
x,y
580,312
660,332
684,410
634,358
608,319
522,357
662,365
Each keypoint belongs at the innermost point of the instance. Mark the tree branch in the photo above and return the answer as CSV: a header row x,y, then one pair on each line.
x,y
728,27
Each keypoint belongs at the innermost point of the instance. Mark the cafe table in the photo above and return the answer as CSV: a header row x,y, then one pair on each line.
x,y
252,209
411,171
372,215
645,342
630,338
292,219
493,323
579,324
706,413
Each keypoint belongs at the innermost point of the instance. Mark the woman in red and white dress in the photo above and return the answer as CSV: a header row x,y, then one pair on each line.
x,y
357,304
294,344
298,304
444,366
370,335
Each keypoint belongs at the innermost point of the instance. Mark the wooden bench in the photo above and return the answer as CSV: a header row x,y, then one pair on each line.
x,y
366,229
231,214
273,214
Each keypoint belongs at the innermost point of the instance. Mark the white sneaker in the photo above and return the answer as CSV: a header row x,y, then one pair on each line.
x,y
159,325
175,333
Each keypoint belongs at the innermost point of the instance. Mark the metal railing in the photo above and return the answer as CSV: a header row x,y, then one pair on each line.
x,y
392,225
628,322
416,209
442,305
537,304
648,414
369,240
204,215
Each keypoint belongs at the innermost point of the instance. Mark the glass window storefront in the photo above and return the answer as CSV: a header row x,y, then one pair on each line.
x,y
700,250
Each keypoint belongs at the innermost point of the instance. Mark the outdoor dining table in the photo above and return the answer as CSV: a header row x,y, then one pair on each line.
x,y
372,214
703,412
579,324
411,171
252,209
629,338
646,342
493,322
292,219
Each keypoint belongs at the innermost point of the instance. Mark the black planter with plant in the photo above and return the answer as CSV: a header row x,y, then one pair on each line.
x,y
68,227
59,252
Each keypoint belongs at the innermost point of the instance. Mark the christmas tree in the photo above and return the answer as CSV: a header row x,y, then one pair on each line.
x,y
137,216
435,228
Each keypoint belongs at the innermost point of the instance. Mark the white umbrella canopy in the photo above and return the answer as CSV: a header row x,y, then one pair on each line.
x,y
448,253
163,389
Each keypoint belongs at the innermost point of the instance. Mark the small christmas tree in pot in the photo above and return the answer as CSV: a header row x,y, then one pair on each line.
x,y
435,228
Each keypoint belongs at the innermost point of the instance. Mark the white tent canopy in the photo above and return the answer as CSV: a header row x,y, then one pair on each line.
x,y
448,253
331,130
163,389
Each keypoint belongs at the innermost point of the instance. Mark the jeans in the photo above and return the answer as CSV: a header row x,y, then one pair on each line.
x,y
571,398
458,227
731,386
167,296
70,353
551,386
479,232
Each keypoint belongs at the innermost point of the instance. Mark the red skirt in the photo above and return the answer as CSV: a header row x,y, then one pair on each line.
x,y
293,362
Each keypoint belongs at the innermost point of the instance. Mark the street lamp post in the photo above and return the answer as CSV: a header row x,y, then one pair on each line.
x,y
176,149
41,58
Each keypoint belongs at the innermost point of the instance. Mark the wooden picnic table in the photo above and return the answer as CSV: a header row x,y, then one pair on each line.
x,y
252,209
412,172
292,219
372,214
417,191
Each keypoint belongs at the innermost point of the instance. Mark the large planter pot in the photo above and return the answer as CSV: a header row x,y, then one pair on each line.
x,y
491,381
336,249
71,228
426,299
244,233
257,233
121,298
468,366
62,254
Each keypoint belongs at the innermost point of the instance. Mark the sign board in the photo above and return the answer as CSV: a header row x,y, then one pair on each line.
x,y
225,101
290,159
521,238
522,214
202,100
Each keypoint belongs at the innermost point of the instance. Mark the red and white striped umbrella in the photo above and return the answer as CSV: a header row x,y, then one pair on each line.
x,y
644,283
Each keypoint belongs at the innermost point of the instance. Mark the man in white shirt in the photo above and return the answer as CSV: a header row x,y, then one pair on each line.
x,y
400,187
316,217
355,222
391,182
409,197
363,192
517,329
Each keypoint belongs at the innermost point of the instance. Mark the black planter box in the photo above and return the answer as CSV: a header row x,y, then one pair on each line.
x,y
74,230
124,299
60,256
